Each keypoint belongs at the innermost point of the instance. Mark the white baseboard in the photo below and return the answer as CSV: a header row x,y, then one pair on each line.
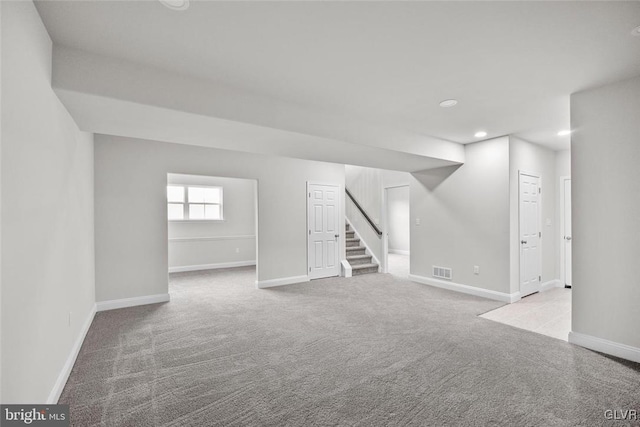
x,y
211,266
605,346
466,289
131,302
555,283
398,252
261,284
347,271
516,296
61,381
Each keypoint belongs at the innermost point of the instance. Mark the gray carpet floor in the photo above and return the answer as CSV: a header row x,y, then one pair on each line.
x,y
373,350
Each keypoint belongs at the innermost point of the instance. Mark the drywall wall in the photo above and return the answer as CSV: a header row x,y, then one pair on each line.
x,y
47,216
1,400
605,154
118,97
203,244
464,218
538,161
131,243
563,163
398,219
395,178
365,184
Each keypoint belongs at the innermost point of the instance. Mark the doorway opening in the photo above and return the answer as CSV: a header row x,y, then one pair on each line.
x,y
212,223
546,310
397,231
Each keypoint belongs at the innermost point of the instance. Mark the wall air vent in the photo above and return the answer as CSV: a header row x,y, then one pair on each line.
x,y
442,272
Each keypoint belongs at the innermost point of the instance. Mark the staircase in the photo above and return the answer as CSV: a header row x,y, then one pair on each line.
x,y
360,262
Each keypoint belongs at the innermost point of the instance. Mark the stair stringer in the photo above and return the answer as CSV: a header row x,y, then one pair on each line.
x,y
362,242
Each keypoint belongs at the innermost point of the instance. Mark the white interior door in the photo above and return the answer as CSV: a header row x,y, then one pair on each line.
x,y
324,231
566,230
530,268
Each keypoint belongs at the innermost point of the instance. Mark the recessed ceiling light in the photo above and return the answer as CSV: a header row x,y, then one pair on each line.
x,y
564,132
448,103
636,31
176,4
480,134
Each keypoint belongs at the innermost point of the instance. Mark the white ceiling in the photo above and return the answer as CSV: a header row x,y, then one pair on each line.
x,y
511,65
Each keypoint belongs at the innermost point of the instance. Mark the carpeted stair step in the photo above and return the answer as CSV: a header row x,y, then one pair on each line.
x,y
358,269
355,250
358,259
352,242
350,234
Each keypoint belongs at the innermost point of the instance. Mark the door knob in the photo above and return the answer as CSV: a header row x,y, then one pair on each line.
x,y
524,242
567,238
337,235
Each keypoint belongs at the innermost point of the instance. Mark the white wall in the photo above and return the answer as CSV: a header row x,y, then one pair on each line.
x,y
398,219
531,158
150,103
204,244
131,244
395,178
605,155
366,186
47,215
563,163
464,217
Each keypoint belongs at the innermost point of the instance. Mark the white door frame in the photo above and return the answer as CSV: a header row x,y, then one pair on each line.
x,y
562,231
385,224
385,232
340,224
535,175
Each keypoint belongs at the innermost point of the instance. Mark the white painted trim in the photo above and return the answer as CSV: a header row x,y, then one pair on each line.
x,y
63,376
200,267
364,243
262,284
398,252
131,302
563,264
605,346
346,268
550,284
210,238
386,187
384,267
466,289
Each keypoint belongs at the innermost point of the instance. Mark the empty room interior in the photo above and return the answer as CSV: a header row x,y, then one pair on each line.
x,y
313,213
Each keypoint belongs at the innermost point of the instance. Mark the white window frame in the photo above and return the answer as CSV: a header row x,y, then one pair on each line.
x,y
186,203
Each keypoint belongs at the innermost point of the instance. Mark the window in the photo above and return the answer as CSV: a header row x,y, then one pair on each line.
x,y
194,203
